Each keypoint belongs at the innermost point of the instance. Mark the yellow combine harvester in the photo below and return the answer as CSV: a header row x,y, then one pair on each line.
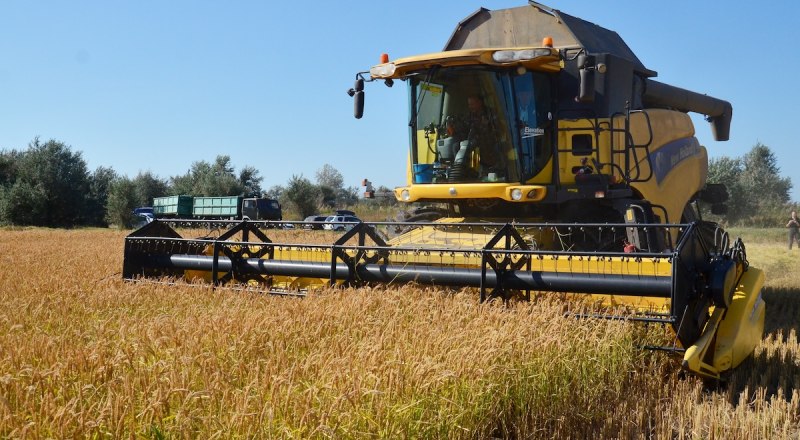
x,y
563,166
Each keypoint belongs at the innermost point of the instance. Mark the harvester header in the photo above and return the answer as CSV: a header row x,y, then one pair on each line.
x,y
542,157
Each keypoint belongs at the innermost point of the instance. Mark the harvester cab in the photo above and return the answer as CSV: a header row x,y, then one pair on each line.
x,y
531,113
564,168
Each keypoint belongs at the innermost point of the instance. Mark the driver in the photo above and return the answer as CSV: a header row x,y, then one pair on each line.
x,y
483,134
527,112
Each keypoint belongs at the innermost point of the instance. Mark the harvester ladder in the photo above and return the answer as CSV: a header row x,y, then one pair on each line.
x,y
626,159
633,155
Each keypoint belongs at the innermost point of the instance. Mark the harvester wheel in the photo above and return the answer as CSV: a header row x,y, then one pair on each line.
x,y
690,213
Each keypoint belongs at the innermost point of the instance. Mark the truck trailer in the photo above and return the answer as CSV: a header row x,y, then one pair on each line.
x,y
226,207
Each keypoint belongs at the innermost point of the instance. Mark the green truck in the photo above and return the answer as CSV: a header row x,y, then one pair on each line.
x,y
226,207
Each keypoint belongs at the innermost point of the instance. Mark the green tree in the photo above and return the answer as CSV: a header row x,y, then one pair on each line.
x,y
727,171
757,192
347,196
220,180
197,175
149,186
123,197
217,179
51,187
182,185
761,178
328,196
275,192
99,186
330,177
8,167
331,184
23,204
251,181
302,195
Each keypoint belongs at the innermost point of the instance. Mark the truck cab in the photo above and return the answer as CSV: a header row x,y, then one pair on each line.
x,y
256,208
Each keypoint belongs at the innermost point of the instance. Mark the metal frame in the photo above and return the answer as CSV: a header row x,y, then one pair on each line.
x,y
506,263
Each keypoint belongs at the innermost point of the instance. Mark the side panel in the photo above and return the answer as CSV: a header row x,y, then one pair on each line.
x,y
743,326
217,206
731,334
577,143
172,206
667,156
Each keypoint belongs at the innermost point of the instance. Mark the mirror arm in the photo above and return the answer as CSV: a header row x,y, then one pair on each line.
x,y
357,92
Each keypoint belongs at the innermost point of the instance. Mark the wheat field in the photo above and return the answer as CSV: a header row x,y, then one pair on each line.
x,y
84,354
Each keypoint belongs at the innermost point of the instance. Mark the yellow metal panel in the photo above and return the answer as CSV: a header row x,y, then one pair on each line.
x,y
677,182
654,129
694,358
426,147
664,126
568,159
470,57
456,191
731,334
743,326
642,304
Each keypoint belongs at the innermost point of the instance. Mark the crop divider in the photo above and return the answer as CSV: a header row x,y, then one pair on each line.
x,y
511,240
238,256
339,252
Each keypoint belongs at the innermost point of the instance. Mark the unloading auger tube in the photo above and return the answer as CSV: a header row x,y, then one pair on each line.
x,y
718,111
703,288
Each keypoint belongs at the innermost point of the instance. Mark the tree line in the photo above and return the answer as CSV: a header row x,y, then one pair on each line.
x,y
758,195
49,184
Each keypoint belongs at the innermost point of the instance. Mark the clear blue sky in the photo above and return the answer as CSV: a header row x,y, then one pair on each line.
x,y
157,85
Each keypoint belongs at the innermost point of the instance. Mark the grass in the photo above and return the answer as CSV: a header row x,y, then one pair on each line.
x,y
83,354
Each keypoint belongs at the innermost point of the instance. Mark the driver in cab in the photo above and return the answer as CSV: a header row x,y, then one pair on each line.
x,y
483,135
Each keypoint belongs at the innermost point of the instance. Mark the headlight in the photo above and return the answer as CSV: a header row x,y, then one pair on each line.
x,y
382,70
405,195
507,56
516,194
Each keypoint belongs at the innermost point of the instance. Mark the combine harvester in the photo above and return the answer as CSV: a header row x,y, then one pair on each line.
x,y
564,168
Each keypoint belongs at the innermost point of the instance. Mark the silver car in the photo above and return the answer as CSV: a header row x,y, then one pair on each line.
x,y
340,222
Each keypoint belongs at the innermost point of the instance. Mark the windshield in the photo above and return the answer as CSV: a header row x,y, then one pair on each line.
x,y
471,124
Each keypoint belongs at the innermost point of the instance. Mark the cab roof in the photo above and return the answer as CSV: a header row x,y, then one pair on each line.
x,y
527,26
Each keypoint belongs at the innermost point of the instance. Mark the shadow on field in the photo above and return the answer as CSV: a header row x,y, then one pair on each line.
x,y
774,366
783,310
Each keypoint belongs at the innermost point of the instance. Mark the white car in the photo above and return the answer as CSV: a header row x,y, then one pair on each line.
x,y
340,222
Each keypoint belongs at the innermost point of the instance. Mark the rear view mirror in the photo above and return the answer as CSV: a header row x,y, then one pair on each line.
x,y
357,92
586,93
714,193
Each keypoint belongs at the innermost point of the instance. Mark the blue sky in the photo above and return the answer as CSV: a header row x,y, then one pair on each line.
x,y
154,85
